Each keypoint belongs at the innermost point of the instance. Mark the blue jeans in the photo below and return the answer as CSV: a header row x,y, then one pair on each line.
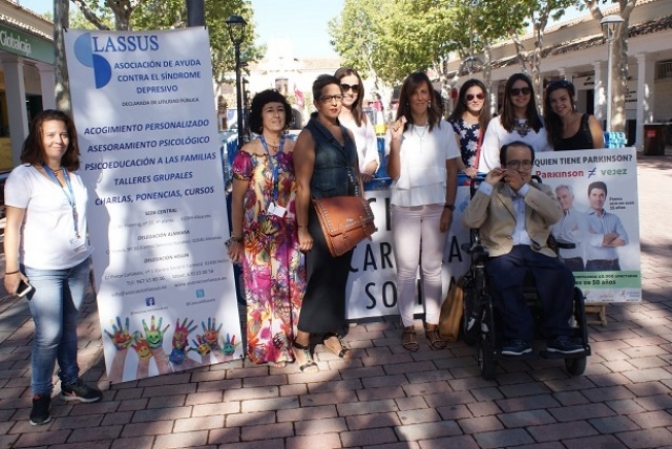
x,y
54,305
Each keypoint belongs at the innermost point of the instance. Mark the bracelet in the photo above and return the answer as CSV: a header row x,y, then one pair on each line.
x,y
236,238
11,272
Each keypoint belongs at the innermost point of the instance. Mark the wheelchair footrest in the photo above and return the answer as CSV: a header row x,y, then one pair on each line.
x,y
559,355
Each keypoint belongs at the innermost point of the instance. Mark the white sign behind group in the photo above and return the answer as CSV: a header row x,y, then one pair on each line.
x,y
144,109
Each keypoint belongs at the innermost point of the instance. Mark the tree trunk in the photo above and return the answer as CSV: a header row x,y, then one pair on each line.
x,y
619,78
487,77
61,22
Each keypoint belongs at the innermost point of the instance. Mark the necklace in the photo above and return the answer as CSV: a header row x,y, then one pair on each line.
x,y
522,128
421,136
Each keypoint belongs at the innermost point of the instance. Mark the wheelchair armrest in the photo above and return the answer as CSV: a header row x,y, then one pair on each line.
x,y
564,244
474,249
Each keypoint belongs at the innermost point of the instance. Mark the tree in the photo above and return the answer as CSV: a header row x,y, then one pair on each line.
x,y
61,21
619,62
517,15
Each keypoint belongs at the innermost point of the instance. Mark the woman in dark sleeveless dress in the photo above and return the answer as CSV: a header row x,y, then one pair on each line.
x,y
566,128
325,161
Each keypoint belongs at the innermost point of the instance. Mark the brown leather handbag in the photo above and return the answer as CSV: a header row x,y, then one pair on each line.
x,y
345,221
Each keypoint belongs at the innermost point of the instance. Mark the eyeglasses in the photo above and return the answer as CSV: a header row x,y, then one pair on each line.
x,y
331,98
515,165
470,97
347,87
520,90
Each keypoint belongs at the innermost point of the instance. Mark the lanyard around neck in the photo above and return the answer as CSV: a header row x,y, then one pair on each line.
x,y
69,193
272,163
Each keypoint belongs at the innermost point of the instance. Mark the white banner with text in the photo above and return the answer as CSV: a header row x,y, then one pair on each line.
x,y
144,109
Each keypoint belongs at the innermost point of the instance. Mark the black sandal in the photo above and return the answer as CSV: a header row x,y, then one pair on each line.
x,y
435,340
310,363
343,352
409,340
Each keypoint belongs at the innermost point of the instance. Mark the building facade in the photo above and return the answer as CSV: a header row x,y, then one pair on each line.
x,y
27,76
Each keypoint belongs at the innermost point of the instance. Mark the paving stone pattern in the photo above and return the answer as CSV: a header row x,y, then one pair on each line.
x,y
386,397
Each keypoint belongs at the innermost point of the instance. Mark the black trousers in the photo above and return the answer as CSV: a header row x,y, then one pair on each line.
x,y
554,282
323,308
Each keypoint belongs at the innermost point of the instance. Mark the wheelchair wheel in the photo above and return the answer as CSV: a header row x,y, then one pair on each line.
x,y
486,359
471,314
487,353
576,366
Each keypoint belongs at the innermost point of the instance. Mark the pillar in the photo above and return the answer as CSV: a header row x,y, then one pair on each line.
x,y
646,70
15,90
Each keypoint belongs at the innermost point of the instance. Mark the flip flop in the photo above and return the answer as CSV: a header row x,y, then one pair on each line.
x,y
310,363
409,339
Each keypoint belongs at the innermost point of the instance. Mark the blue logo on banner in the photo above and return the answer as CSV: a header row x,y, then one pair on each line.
x,y
150,301
200,293
102,71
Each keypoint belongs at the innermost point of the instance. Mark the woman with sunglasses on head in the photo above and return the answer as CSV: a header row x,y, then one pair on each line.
x,y
519,121
567,128
353,118
422,161
264,235
325,161
470,119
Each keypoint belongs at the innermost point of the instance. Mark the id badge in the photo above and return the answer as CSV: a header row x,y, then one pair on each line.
x,y
78,245
276,210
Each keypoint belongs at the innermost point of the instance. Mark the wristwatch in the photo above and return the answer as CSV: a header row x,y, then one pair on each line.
x,y
449,206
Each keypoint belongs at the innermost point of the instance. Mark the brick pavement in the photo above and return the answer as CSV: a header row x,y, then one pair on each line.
x,y
385,397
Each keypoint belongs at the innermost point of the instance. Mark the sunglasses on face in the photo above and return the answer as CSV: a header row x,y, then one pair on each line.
x,y
520,90
347,87
331,98
470,97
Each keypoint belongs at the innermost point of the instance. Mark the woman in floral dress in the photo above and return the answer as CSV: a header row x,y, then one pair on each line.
x,y
264,235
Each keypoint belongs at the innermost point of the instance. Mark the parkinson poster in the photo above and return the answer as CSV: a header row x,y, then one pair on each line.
x,y
145,115
597,191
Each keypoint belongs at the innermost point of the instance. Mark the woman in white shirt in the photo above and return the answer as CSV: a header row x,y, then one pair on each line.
x,y
519,121
46,244
422,161
353,118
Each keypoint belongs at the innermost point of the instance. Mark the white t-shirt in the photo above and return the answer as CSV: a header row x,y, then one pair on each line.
x,y
496,136
48,240
365,140
423,157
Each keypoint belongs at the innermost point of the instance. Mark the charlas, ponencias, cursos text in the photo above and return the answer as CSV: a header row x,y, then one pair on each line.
x,y
156,195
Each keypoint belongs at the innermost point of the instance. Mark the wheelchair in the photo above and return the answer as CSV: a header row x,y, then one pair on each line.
x,y
481,324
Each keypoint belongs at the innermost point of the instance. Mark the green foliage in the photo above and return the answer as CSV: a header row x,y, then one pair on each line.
x,y
170,14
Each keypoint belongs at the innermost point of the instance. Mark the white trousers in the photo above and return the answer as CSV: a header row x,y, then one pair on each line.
x,y
417,240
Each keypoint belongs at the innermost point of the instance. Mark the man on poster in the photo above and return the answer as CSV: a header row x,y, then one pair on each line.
x,y
572,227
607,232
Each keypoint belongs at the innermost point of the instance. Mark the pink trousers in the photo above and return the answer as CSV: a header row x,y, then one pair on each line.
x,y
418,241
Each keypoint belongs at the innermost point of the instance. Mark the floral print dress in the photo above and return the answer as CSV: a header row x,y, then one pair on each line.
x,y
468,141
274,276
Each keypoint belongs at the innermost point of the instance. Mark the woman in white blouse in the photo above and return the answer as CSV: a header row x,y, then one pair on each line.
x,y
353,118
422,161
519,121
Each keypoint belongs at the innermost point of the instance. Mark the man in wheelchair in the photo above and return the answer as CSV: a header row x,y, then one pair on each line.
x,y
514,216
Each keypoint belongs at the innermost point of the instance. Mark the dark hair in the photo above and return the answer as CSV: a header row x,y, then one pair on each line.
x,y
552,121
461,106
517,143
321,82
262,99
357,112
508,115
597,185
411,84
33,149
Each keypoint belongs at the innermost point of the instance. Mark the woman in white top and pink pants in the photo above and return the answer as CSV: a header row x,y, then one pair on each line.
x,y
422,161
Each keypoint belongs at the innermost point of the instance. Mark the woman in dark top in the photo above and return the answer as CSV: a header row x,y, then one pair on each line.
x,y
566,128
470,119
325,161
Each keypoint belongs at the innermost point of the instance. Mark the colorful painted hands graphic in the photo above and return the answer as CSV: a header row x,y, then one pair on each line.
x,y
141,346
181,334
120,337
211,333
154,334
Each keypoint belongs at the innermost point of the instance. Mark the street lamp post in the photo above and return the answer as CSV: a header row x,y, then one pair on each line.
x,y
236,26
610,25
